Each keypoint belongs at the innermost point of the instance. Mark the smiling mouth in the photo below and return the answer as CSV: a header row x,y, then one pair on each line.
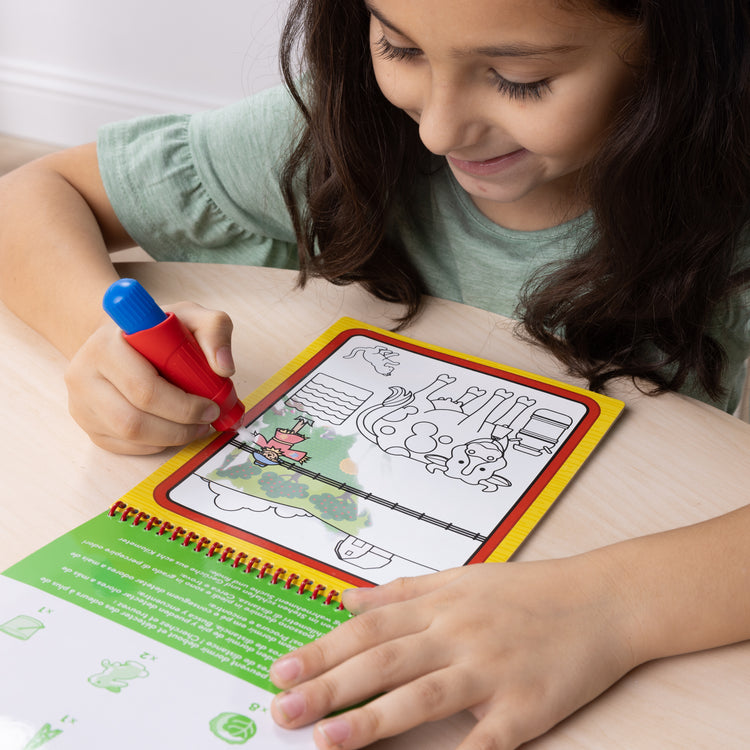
x,y
488,166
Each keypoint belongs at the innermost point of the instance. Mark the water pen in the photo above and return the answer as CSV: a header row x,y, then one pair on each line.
x,y
171,348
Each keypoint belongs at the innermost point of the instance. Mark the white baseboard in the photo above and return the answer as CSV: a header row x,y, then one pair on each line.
x,y
66,108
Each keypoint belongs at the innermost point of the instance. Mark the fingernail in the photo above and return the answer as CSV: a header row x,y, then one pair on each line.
x,y
286,669
211,414
349,599
335,731
291,705
224,359
202,431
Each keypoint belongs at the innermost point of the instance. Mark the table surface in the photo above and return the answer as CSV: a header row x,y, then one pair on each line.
x,y
669,461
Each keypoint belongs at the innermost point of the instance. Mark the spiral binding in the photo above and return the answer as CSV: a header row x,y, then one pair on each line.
x,y
237,557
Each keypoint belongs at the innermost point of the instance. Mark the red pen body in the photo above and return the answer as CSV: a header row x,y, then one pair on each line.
x,y
173,350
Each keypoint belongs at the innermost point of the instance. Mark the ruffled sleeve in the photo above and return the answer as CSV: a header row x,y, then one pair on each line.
x,y
205,187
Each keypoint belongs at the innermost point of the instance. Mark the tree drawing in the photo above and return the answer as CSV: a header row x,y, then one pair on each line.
x,y
283,483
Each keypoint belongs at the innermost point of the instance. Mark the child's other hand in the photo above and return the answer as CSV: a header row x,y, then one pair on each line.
x,y
521,645
123,403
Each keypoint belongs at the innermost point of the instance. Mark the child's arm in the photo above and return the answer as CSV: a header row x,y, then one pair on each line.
x,y
57,228
521,645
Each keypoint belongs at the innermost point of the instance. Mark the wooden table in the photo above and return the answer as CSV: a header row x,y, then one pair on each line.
x,y
669,461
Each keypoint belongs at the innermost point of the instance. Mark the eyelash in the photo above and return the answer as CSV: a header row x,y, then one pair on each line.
x,y
515,90
388,52
511,89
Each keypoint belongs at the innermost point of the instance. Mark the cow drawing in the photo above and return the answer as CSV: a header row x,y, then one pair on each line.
x,y
475,462
465,437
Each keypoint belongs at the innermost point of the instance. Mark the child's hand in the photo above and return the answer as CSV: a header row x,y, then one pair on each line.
x,y
123,403
521,645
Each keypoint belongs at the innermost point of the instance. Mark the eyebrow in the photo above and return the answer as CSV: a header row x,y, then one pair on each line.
x,y
518,49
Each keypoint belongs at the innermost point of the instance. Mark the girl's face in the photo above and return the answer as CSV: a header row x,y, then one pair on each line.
x,y
516,94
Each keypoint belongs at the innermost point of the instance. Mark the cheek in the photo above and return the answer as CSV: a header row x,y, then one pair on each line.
x,y
397,86
574,123
386,81
397,83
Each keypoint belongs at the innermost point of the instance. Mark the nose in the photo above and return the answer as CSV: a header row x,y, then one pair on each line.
x,y
449,119
471,465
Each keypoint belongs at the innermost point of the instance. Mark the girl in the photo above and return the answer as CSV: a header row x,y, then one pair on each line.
x,y
584,161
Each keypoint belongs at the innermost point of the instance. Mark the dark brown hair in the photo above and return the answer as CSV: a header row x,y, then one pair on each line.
x,y
668,190
353,159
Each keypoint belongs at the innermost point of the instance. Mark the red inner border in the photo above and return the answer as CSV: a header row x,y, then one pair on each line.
x,y
161,491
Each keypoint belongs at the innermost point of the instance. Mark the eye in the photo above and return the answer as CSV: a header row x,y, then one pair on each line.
x,y
387,51
520,91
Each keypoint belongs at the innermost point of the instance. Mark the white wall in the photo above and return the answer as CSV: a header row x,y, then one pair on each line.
x,y
67,66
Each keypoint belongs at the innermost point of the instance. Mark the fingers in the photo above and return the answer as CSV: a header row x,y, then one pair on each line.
x,y
125,405
378,669
435,697
367,642
138,382
431,697
390,648
346,641
213,332
475,638
356,660
400,590
137,432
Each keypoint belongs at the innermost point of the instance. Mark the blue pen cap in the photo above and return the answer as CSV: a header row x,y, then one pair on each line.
x,y
132,307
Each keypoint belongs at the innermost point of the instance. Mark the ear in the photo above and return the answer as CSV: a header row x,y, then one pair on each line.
x,y
499,481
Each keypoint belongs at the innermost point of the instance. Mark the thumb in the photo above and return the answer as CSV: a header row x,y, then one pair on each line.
x,y
213,332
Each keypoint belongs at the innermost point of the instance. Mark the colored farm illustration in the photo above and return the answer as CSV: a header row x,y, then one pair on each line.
x,y
266,475
283,443
377,454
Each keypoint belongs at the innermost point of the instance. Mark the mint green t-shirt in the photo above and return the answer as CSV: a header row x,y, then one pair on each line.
x,y
206,188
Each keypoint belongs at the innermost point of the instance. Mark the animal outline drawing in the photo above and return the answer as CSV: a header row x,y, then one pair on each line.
x,y
381,358
465,438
